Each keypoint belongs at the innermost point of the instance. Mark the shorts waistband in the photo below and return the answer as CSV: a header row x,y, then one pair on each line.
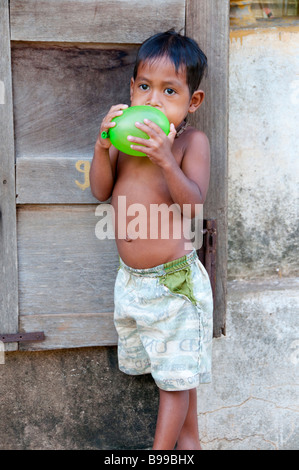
x,y
161,269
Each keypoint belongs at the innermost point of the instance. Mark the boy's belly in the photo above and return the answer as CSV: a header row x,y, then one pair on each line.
x,y
149,234
142,254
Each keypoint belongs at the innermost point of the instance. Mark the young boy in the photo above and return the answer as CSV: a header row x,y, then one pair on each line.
x,y
163,300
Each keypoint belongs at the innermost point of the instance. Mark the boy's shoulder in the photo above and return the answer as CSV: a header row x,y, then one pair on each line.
x,y
191,136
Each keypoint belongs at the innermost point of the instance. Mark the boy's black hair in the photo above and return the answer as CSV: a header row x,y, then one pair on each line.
x,y
181,50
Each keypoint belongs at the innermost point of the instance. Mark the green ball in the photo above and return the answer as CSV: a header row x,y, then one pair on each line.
x,y
125,126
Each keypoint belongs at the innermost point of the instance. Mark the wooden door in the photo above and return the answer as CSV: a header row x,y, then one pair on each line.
x,y
63,64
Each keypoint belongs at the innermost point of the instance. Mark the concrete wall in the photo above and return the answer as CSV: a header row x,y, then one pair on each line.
x,y
263,152
253,402
74,399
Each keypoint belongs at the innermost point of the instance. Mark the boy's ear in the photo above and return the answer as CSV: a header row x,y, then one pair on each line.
x,y
196,100
131,88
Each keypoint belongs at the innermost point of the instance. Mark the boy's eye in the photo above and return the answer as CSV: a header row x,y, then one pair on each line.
x,y
144,87
169,91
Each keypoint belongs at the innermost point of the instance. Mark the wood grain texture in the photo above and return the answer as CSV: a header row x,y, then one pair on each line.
x,y
118,21
61,94
8,245
63,266
53,180
70,330
208,23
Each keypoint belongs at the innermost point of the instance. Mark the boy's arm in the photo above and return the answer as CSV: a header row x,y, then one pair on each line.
x,y
189,183
102,171
103,166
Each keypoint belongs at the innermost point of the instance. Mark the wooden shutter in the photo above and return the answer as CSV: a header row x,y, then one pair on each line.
x,y
8,241
70,60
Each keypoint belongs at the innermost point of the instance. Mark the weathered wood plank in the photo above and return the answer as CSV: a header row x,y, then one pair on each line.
x,y
8,245
70,330
45,180
61,93
208,23
118,21
63,266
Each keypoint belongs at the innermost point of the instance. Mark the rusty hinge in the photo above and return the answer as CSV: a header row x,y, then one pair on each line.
x,y
210,251
22,337
207,253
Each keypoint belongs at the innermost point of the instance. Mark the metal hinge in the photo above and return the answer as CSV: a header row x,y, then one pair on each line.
x,y
210,251
22,337
207,253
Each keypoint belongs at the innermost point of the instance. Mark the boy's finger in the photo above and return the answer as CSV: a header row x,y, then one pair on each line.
x,y
107,125
137,140
172,133
140,148
115,114
153,125
118,106
147,129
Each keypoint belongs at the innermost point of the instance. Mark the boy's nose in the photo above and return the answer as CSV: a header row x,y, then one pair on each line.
x,y
154,100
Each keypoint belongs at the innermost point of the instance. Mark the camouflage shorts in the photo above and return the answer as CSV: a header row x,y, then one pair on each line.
x,y
163,316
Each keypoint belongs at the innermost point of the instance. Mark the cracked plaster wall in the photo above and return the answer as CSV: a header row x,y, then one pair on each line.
x,y
252,403
263,152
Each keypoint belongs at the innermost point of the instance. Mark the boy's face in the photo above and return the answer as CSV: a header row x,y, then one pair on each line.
x,y
158,84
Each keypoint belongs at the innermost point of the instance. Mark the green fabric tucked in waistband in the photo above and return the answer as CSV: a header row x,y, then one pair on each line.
x,y
180,262
179,282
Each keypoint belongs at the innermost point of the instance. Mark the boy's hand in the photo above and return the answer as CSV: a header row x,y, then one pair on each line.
x,y
107,124
158,146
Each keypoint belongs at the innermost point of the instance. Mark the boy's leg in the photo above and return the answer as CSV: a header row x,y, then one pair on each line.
x,y
173,409
189,438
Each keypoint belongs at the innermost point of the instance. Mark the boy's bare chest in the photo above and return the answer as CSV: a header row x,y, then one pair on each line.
x,y
138,178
